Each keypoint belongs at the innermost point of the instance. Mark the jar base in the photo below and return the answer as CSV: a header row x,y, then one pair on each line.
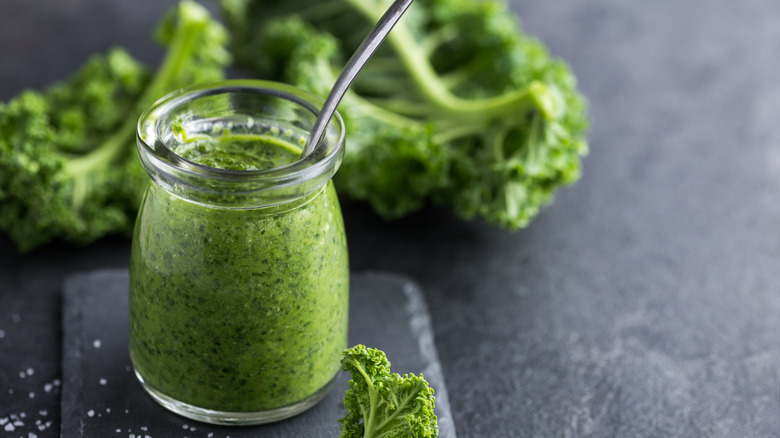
x,y
234,418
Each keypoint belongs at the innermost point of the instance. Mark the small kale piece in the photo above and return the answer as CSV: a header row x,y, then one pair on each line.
x,y
384,405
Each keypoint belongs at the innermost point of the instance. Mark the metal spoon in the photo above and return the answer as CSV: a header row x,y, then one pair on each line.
x,y
353,67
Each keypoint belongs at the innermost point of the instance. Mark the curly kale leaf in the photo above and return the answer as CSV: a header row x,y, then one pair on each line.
x,y
458,107
384,405
68,162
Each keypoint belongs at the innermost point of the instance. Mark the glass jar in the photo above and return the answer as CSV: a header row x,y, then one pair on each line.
x,y
238,273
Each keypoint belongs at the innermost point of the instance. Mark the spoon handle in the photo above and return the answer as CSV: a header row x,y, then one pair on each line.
x,y
353,67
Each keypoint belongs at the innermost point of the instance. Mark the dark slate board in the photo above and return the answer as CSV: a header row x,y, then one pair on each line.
x,y
102,398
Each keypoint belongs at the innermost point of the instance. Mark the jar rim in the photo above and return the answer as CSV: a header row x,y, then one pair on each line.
x,y
150,128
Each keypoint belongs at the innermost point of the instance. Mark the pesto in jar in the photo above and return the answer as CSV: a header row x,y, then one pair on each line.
x,y
241,309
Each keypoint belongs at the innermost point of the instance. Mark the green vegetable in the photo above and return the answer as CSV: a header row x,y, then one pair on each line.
x,y
458,107
68,163
384,405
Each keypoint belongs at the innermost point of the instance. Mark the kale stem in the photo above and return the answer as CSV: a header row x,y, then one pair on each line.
x,y
372,393
180,50
535,95
447,134
404,107
102,155
365,107
456,77
362,106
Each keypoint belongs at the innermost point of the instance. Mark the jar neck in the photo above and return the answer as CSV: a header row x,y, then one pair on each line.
x,y
240,190
228,108
259,210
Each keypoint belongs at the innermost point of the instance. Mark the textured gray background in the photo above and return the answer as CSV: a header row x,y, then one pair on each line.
x,y
645,302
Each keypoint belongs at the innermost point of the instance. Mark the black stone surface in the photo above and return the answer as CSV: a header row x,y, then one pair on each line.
x,y
101,396
644,302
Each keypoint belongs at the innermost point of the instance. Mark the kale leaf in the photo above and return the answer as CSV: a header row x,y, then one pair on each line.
x,y
459,107
68,162
384,405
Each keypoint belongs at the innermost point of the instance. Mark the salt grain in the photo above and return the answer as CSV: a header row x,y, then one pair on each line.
x,y
108,410
2,334
90,413
30,371
103,382
119,431
9,427
22,415
43,413
16,318
184,426
3,420
41,427
96,343
22,374
48,387
32,435
32,395
144,428
18,423
56,382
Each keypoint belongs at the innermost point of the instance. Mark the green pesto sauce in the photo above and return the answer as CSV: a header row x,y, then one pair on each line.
x,y
239,152
238,309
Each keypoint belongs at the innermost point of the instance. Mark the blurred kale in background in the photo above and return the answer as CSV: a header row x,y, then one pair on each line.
x,y
458,108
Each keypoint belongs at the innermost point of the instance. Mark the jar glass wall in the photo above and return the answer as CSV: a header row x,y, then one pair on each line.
x,y
238,274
